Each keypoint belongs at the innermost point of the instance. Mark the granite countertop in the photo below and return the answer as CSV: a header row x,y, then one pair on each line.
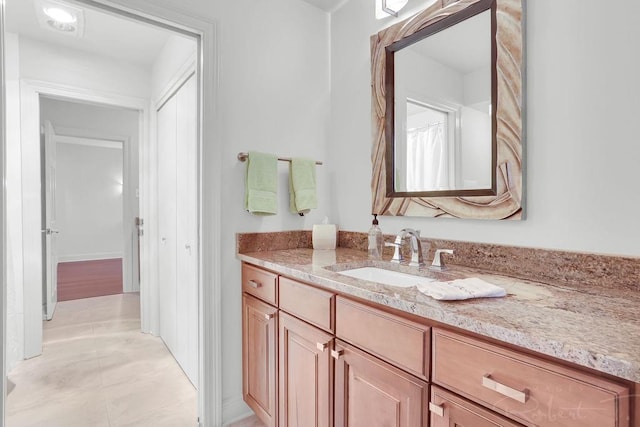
x,y
599,329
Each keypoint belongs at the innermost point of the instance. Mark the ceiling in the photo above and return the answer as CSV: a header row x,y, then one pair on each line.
x,y
326,5
465,47
104,34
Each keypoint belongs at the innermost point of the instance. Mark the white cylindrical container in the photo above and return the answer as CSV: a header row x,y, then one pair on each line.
x,y
324,236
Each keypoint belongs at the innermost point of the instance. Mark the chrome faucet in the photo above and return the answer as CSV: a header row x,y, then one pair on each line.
x,y
438,263
416,247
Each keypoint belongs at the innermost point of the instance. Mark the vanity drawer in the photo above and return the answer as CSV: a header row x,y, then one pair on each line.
x,y
447,409
306,302
399,341
529,390
260,283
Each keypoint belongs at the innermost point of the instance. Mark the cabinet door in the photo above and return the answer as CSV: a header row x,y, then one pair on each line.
x,y
259,358
447,410
306,374
187,229
178,226
370,392
167,217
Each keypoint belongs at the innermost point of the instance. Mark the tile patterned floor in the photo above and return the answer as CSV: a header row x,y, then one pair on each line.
x,y
97,369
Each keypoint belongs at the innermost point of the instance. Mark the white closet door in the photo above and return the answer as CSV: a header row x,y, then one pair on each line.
x,y
187,229
167,222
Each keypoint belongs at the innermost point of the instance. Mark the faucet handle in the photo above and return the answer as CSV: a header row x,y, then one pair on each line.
x,y
438,263
397,255
410,231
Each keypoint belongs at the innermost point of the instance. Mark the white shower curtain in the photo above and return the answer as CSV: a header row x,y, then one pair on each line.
x,y
427,159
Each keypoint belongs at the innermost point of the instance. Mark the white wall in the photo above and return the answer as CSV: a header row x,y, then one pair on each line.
x,y
177,53
475,149
14,276
274,93
444,85
581,156
274,82
70,67
89,205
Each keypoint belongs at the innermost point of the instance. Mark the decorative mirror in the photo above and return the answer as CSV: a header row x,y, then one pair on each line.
x,y
446,109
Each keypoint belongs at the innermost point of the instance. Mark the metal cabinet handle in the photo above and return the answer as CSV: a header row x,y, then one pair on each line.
x,y
438,410
518,395
321,346
254,284
268,316
336,354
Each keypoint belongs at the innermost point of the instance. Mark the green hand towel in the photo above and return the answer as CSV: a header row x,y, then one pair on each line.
x,y
261,195
302,185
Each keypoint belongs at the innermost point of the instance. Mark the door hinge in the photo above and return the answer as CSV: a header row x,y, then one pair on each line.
x,y
139,224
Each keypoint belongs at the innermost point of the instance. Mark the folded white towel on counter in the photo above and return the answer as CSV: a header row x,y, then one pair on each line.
x,y
461,289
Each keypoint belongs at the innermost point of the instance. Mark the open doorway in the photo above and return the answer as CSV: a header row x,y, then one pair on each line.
x,y
90,181
50,66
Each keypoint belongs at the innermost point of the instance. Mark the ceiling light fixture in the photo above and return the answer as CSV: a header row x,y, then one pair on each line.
x,y
385,8
60,16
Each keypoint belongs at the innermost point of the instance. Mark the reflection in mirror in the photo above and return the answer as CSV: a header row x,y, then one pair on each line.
x,y
455,185
442,91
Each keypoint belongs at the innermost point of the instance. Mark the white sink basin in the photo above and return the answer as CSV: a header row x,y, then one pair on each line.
x,y
386,277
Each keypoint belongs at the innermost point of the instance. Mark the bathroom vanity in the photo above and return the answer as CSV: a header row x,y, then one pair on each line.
x,y
321,348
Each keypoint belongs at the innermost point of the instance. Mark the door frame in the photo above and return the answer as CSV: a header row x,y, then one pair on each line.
x,y
30,93
49,236
209,191
3,225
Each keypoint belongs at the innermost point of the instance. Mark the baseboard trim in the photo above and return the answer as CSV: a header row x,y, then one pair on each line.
x,y
90,257
234,409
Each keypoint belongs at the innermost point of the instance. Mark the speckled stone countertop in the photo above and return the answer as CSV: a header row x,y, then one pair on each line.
x,y
599,329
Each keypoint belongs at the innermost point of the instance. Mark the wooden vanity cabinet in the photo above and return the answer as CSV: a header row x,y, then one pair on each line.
x,y
313,358
527,389
260,283
446,409
310,304
260,342
259,358
305,374
399,341
370,392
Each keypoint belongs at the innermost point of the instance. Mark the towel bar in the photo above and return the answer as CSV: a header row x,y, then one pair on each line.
x,y
244,156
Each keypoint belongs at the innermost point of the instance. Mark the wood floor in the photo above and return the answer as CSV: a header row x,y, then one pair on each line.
x,y
98,370
88,279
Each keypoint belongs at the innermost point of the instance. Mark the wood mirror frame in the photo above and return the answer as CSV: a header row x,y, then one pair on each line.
x,y
507,203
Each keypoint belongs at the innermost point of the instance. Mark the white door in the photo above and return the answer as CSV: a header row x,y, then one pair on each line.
x,y
50,230
167,222
178,226
187,228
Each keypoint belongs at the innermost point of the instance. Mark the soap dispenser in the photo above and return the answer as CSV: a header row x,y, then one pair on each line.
x,y
376,242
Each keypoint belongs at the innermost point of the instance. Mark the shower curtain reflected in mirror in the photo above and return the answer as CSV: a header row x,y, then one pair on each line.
x,y
427,158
